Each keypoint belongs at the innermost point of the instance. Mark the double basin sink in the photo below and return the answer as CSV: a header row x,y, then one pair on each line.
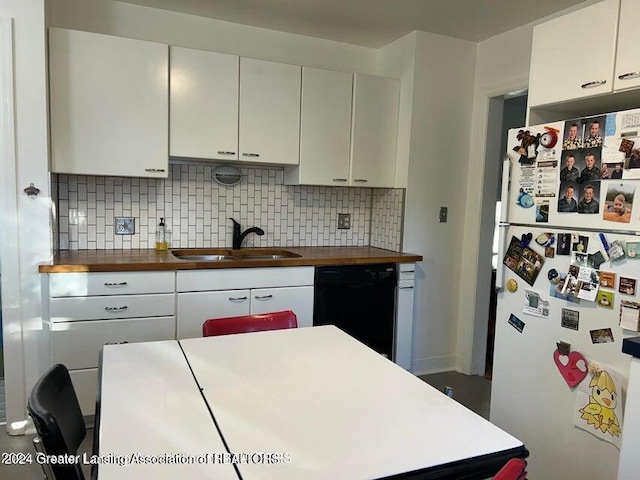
x,y
224,254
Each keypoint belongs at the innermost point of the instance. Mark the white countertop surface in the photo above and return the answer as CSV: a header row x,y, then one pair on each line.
x,y
338,408
151,405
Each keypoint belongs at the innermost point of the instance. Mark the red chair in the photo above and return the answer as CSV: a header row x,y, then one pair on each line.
x,y
249,323
514,469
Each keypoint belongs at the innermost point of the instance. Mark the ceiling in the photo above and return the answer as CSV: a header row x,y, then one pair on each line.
x,y
373,23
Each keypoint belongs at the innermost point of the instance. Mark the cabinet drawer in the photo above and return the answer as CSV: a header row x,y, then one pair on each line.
x,y
77,344
406,271
117,306
85,383
238,278
110,283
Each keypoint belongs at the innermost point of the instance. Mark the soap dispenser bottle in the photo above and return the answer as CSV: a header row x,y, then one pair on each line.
x,y
162,243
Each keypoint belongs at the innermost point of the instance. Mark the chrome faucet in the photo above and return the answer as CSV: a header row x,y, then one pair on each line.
x,y
239,237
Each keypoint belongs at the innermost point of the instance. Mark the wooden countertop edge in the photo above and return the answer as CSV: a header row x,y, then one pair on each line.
x,y
189,265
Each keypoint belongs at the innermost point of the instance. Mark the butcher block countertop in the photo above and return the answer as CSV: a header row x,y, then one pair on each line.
x,y
149,259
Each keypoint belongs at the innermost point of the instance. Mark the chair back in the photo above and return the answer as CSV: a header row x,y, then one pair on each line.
x,y
514,469
249,323
56,414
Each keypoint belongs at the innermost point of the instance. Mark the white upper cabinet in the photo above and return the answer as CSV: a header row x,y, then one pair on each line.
x,y
325,129
109,105
374,131
627,73
203,104
269,112
573,55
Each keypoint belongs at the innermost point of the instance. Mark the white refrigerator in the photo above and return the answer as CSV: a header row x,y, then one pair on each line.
x,y
568,273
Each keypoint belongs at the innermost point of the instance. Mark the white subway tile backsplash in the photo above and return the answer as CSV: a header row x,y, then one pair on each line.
x,y
197,210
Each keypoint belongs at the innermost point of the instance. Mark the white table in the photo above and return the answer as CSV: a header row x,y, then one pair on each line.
x,y
150,405
338,408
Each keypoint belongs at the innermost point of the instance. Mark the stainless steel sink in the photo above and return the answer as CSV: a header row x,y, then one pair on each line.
x,y
221,255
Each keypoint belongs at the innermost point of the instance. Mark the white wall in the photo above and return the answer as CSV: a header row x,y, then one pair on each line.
x,y
502,67
437,172
144,23
26,349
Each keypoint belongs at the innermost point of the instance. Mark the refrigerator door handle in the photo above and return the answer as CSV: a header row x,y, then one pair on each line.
x,y
502,241
504,194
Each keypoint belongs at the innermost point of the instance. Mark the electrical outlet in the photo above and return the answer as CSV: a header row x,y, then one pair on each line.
x,y
344,220
125,226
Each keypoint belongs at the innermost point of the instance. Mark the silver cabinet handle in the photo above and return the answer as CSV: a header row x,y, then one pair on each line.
x,y
116,309
360,180
116,343
406,288
250,154
237,299
154,169
597,83
263,297
629,76
339,179
115,284
407,271
226,153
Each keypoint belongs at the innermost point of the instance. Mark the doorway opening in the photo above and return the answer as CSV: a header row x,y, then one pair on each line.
x,y
514,112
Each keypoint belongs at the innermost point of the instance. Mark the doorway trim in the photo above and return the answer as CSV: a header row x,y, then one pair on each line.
x,y
476,265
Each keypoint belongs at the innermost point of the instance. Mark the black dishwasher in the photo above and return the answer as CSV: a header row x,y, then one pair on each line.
x,y
359,299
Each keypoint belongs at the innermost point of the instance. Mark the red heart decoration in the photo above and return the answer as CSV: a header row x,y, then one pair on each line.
x,y
573,367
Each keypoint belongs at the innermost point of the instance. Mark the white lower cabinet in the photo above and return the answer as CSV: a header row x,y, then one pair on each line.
x,y
89,310
404,315
284,289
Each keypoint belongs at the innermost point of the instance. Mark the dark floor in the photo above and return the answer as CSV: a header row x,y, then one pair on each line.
x,y
473,392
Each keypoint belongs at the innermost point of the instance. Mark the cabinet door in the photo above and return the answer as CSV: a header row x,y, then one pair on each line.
x,y
573,56
325,128
269,112
627,73
374,131
195,308
203,120
297,299
108,104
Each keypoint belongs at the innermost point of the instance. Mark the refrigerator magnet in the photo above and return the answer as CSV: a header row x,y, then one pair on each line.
x,y
512,285
571,365
516,323
605,299
570,319
627,286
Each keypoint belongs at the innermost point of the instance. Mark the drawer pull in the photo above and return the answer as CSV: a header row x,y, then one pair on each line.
x,y
154,169
115,284
597,83
629,76
263,297
250,154
407,271
238,299
116,309
222,152
407,288
360,180
339,179
116,343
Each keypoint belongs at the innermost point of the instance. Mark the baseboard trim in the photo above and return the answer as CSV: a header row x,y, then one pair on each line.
x,y
427,366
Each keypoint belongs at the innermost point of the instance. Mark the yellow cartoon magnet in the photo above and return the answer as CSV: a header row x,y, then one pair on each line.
x,y
512,285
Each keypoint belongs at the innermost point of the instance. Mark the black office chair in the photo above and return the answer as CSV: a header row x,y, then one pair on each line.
x,y
56,414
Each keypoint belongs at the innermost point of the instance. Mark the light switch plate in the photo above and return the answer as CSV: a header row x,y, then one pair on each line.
x,y
125,226
443,214
344,220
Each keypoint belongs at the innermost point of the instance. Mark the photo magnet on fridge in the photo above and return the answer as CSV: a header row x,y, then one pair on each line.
x,y
627,286
570,319
516,323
